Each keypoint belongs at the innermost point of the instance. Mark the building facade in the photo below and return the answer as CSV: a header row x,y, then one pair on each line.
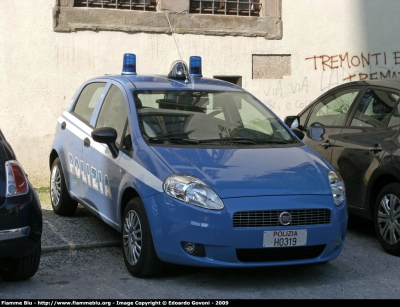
x,y
285,52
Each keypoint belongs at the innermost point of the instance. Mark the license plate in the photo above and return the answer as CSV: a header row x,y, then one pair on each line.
x,y
283,238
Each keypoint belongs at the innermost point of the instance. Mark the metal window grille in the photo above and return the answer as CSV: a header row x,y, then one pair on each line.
x,y
145,5
226,7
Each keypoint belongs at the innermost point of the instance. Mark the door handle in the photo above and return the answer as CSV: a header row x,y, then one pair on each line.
x,y
374,149
86,142
326,144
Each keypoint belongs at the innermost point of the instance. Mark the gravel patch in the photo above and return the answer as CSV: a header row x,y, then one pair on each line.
x,y
82,230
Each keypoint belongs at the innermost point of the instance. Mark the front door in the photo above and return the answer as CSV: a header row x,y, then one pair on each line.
x,y
74,128
327,119
103,173
361,145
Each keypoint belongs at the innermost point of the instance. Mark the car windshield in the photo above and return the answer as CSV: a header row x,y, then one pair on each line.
x,y
194,117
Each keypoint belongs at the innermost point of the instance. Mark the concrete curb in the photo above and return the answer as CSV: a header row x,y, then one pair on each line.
x,y
73,247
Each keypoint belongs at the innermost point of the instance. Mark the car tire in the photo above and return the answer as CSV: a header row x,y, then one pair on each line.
x,y
61,202
137,242
15,269
387,218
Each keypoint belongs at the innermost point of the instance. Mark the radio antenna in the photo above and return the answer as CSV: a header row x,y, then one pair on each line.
x,y
176,44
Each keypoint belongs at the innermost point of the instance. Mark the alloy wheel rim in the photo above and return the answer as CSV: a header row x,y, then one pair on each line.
x,y
55,186
389,219
132,237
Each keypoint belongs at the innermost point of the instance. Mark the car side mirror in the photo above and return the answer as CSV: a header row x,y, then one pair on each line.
x,y
298,133
108,136
292,121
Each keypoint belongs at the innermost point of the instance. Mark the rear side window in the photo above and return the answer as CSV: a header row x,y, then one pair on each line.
x,y
88,99
375,109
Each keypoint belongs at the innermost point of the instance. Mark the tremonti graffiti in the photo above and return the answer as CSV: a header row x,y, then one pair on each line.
x,y
373,66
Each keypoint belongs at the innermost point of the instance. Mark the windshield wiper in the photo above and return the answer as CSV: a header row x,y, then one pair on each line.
x,y
276,142
179,140
239,140
249,141
234,140
173,139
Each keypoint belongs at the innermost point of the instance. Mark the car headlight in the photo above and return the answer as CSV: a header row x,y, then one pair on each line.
x,y
193,191
337,187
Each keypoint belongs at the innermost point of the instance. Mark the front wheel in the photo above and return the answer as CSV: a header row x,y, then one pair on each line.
x,y
61,202
15,269
137,242
387,218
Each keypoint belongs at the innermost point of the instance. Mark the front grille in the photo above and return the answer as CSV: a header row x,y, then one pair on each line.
x,y
271,218
279,254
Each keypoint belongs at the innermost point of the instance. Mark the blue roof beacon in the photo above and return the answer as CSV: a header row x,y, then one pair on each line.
x,y
194,171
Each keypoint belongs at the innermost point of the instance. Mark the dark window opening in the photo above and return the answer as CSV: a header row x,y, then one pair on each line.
x,y
232,79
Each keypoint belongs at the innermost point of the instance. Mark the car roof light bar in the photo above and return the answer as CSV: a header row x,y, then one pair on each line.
x,y
129,65
195,66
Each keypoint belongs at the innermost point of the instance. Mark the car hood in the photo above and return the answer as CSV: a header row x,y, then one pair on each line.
x,y
253,171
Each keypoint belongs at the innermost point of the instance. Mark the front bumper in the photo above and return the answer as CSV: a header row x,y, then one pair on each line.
x,y
20,225
10,234
174,222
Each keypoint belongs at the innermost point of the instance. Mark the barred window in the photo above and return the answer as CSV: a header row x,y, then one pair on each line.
x,y
226,7
144,5
223,7
252,18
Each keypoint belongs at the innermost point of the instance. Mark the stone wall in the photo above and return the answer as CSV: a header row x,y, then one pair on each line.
x,y
286,57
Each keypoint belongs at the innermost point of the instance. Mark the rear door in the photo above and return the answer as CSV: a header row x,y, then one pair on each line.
x,y
359,149
74,128
327,118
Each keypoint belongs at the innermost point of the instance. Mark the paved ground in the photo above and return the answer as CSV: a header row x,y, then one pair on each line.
x,y
363,270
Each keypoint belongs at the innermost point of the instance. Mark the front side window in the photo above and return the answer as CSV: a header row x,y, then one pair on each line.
x,y
87,100
193,117
332,110
113,112
127,140
375,109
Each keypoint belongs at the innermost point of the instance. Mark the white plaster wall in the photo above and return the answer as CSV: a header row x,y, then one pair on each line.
x,y
41,69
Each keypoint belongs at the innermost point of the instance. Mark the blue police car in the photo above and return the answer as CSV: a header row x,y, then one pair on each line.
x,y
194,171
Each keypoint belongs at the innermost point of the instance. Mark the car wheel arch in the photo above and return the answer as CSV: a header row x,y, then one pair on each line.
x,y
53,155
374,189
128,194
386,219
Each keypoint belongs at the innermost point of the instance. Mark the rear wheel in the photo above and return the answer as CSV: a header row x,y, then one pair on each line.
x,y
137,242
14,269
61,202
387,218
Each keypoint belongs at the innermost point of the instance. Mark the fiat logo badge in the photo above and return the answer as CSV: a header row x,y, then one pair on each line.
x,y
285,218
